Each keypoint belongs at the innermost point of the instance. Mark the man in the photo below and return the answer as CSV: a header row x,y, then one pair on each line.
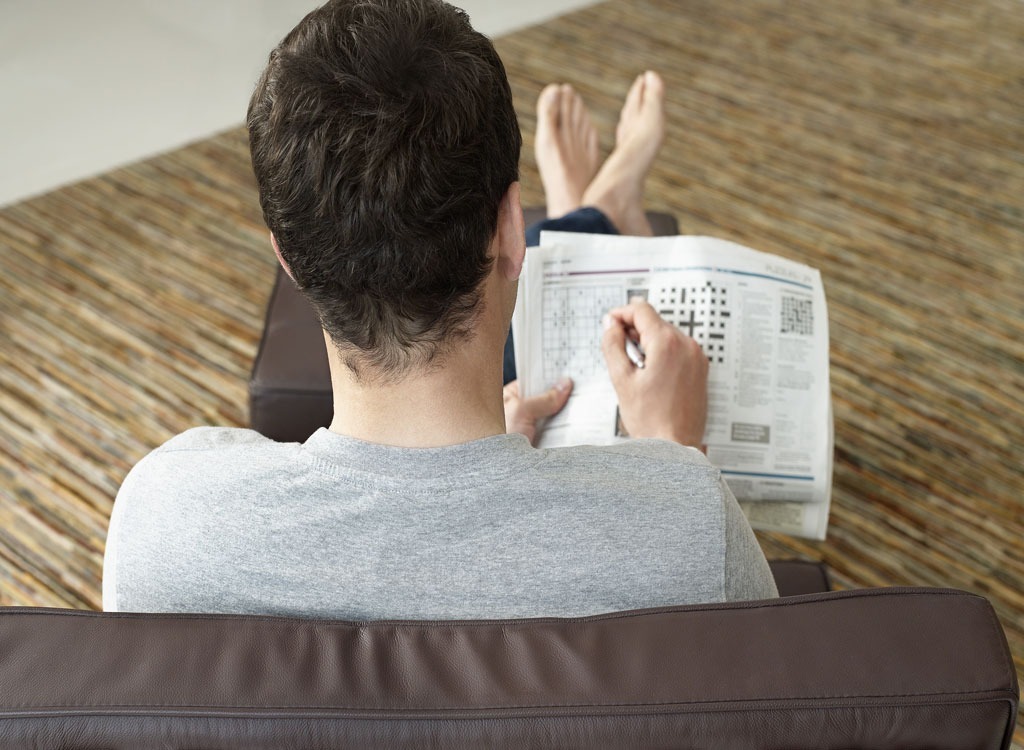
x,y
386,147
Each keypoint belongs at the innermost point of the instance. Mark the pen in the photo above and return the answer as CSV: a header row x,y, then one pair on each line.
x,y
635,353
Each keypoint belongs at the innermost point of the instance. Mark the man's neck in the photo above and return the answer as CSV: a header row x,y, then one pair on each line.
x,y
461,399
456,403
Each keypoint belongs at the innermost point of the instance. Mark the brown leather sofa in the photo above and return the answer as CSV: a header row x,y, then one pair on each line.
x,y
876,668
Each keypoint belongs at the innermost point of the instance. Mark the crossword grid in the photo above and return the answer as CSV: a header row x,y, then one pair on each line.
x,y
572,339
699,310
797,316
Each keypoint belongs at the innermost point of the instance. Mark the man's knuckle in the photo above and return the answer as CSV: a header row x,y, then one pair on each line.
x,y
673,344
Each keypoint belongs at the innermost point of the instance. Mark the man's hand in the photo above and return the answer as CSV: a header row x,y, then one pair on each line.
x,y
521,414
668,397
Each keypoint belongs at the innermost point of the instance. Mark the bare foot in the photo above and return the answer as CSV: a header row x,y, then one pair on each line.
x,y
566,147
618,188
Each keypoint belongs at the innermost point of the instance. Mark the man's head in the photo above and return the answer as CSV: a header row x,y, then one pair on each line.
x,y
383,139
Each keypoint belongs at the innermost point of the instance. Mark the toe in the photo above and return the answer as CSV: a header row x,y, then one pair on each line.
x,y
578,110
547,103
635,95
565,103
653,88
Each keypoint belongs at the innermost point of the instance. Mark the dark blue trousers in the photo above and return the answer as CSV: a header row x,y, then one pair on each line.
x,y
588,220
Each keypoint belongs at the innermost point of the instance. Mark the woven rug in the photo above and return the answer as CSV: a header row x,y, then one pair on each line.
x,y
880,142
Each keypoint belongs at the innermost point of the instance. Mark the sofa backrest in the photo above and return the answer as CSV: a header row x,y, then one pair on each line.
x,y
875,668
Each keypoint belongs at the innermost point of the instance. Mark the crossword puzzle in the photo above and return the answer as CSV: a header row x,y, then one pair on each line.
x,y
699,310
797,316
572,329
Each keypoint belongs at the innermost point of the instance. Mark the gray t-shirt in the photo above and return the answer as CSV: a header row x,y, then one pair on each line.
x,y
225,520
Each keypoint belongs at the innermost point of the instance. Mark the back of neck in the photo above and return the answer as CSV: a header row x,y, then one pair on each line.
x,y
456,403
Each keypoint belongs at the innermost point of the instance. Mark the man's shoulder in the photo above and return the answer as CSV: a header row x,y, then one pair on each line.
x,y
213,439
204,453
637,453
646,461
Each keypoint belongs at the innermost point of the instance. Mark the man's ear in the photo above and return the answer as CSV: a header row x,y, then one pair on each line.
x,y
280,258
511,234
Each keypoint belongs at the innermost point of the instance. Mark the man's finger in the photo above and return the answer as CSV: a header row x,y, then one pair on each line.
x,y
638,314
613,344
510,391
548,403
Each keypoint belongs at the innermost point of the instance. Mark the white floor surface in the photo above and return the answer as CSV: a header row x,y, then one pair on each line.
x,y
87,86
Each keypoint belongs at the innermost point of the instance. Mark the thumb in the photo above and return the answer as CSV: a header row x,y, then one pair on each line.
x,y
613,344
550,402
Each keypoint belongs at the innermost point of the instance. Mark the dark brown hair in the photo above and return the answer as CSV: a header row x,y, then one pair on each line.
x,y
383,139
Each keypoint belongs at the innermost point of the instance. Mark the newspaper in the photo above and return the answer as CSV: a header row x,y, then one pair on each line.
x,y
760,319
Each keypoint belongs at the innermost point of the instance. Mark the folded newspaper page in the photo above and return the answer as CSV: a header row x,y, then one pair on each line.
x,y
760,319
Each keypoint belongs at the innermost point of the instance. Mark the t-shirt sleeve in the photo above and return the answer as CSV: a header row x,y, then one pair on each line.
x,y
747,575
126,502
110,552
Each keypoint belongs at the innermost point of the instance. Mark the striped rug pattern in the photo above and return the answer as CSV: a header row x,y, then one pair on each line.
x,y
880,142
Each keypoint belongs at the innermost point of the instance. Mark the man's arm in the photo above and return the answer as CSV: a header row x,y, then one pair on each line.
x,y
747,575
110,552
668,398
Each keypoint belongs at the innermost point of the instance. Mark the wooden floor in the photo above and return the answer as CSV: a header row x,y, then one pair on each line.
x,y
880,142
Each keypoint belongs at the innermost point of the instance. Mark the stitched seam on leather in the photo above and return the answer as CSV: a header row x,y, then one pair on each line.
x,y
266,320
1003,647
789,601
805,701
